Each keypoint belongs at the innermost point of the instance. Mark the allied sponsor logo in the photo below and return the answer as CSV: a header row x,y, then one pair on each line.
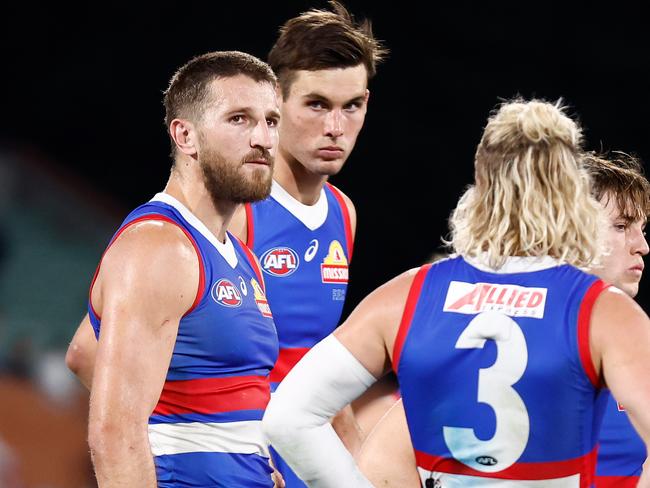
x,y
280,261
486,460
334,268
512,300
260,299
225,293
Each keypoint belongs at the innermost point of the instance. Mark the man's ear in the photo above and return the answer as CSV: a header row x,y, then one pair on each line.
x,y
185,136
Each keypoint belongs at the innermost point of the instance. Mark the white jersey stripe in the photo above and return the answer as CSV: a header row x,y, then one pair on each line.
x,y
243,437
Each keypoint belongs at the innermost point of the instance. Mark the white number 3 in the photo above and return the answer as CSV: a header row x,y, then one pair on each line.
x,y
495,389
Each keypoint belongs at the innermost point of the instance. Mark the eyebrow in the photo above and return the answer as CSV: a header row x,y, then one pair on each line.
x,y
250,111
273,113
323,98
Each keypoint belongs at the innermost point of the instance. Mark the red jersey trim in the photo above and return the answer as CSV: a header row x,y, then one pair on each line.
x,y
253,260
201,287
214,395
287,359
583,465
584,321
407,316
616,481
349,240
250,225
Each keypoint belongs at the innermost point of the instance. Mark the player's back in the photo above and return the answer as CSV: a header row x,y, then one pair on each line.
x,y
496,374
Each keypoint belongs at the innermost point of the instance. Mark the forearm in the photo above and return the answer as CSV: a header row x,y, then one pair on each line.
x,y
122,461
297,419
347,428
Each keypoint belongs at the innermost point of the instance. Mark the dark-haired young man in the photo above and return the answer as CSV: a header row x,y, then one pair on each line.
x,y
303,233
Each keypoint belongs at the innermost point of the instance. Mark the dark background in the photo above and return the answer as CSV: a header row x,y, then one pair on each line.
x,y
83,88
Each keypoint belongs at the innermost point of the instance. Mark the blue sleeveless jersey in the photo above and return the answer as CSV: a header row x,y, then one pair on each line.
x,y
305,267
205,430
304,252
496,375
621,451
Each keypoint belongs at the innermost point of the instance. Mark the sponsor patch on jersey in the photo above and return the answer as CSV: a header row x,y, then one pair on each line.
x,y
225,293
512,300
334,268
620,407
311,250
280,261
260,299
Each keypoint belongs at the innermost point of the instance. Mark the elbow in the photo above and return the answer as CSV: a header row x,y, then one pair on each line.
x,y
281,421
274,423
75,359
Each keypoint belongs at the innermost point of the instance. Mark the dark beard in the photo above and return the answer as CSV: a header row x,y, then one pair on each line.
x,y
225,182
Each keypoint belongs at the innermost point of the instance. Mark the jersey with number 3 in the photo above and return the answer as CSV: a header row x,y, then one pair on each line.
x,y
496,374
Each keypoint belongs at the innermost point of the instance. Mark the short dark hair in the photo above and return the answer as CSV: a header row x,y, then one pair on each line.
x,y
324,39
620,176
187,92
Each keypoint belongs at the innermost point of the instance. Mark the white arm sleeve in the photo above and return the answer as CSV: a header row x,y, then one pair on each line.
x,y
297,419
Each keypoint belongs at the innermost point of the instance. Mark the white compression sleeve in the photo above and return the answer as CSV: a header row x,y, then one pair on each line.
x,y
297,420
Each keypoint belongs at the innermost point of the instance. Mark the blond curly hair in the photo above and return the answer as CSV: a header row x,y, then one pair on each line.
x,y
531,196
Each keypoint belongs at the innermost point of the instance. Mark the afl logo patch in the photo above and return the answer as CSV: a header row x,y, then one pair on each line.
x,y
279,261
486,460
225,293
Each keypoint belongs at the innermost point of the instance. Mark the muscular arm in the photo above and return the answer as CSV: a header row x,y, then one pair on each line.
x,y
148,280
620,345
80,357
331,375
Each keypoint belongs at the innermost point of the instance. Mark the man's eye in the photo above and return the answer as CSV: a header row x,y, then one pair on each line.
x,y
316,104
237,119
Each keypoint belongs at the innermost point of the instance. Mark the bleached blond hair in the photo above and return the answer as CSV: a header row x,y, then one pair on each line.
x,y
531,196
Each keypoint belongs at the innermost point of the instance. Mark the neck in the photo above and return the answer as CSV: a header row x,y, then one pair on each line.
x,y
188,188
300,183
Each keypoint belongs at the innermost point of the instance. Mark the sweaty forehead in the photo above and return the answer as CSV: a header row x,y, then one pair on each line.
x,y
623,207
240,90
333,83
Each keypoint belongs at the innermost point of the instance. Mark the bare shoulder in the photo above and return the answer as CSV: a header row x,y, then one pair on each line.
x,y
613,305
619,329
151,242
150,259
375,321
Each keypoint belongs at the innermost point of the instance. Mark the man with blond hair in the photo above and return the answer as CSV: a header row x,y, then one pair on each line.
x,y
501,351
618,183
